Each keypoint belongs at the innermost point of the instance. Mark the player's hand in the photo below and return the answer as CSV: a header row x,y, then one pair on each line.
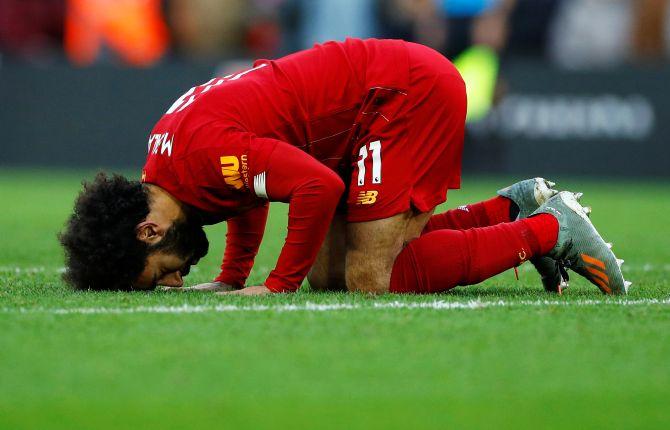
x,y
257,290
207,286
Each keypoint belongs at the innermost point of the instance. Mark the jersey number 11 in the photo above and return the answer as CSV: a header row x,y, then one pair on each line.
x,y
376,149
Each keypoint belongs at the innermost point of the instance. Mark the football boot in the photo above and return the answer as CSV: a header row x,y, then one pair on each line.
x,y
580,247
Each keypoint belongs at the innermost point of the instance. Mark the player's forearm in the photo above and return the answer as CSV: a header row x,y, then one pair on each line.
x,y
313,192
310,213
244,236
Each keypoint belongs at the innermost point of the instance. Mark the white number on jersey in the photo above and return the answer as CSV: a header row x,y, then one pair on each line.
x,y
189,96
376,148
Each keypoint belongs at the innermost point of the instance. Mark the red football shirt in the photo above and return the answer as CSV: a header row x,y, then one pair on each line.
x,y
226,147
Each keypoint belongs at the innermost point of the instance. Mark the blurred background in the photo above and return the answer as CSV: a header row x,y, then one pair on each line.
x,y
575,87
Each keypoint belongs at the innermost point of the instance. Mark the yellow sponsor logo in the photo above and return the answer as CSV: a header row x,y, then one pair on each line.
x,y
367,197
230,169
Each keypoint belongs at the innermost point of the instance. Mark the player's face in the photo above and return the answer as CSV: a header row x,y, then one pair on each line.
x,y
171,259
166,269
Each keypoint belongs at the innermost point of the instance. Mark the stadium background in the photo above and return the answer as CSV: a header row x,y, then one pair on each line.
x,y
576,90
582,86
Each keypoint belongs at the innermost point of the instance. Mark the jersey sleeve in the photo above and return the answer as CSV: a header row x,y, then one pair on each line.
x,y
220,167
312,191
217,172
244,236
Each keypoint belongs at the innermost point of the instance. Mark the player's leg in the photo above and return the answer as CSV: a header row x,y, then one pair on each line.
x,y
408,155
327,273
489,212
517,201
372,247
443,259
514,202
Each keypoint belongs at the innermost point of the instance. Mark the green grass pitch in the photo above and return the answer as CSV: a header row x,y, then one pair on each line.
x,y
494,355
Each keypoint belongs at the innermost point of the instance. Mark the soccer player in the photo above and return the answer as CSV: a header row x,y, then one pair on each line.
x,y
362,139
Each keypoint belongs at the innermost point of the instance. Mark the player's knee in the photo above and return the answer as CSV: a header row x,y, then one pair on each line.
x,y
320,280
366,277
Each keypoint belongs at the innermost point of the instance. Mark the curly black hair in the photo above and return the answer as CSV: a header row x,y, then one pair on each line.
x,y
102,251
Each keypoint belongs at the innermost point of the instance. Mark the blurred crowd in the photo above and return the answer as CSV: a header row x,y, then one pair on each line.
x,y
570,33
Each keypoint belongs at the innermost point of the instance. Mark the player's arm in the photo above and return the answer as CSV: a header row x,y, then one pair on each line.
x,y
312,192
244,236
238,164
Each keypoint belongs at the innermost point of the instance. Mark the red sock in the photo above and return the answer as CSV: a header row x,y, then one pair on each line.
x,y
483,214
443,259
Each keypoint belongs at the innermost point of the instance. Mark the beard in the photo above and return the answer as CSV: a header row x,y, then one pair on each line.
x,y
186,239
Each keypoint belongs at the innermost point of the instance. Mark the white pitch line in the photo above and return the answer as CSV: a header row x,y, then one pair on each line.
x,y
439,305
635,267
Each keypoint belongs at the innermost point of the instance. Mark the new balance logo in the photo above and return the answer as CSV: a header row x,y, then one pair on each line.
x,y
367,197
597,270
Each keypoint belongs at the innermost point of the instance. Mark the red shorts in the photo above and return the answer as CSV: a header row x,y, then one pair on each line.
x,y
408,138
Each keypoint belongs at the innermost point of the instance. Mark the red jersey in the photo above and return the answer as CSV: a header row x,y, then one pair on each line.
x,y
308,100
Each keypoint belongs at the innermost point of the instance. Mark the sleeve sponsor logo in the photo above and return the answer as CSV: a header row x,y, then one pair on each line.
x,y
230,169
235,171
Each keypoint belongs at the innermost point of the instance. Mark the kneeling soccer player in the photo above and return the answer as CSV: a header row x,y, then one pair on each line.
x,y
362,139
